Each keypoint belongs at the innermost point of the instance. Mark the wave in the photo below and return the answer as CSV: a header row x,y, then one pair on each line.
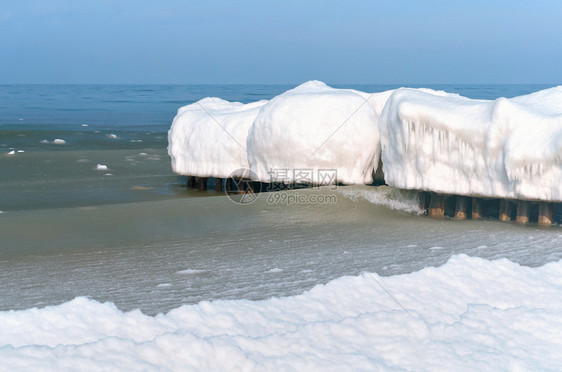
x,y
469,313
386,196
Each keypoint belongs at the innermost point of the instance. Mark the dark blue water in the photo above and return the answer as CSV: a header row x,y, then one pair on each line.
x,y
152,107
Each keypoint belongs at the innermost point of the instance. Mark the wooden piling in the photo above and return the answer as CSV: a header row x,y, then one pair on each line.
x,y
228,185
436,206
250,186
505,210
191,182
218,184
460,207
545,214
476,209
422,196
522,212
201,183
240,186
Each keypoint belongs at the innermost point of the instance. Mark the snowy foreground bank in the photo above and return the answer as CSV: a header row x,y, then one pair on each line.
x,y
427,140
469,314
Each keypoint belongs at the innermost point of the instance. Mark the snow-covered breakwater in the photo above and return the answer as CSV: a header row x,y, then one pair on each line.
x,y
427,140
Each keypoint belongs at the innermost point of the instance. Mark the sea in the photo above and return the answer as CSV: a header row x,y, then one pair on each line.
x,y
93,221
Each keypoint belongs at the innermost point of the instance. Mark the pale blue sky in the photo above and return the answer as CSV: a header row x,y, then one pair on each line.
x,y
110,41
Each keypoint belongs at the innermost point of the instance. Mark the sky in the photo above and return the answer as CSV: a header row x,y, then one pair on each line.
x,y
280,42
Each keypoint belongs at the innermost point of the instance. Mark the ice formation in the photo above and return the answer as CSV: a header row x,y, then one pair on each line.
x,y
430,140
208,137
507,148
469,314
316,127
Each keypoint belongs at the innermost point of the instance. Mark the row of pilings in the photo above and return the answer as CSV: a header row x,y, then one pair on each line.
x,y
462,207
435,205
229,185
239,185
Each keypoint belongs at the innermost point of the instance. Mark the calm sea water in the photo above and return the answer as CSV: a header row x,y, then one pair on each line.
x,y
121,126
142,107
134,235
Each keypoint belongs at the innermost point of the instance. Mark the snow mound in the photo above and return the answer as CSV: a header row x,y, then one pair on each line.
x,y
315,127
469,314
208,137
507,148
430,140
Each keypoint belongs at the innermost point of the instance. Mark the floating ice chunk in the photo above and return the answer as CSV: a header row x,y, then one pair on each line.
x,y
84,125
44,141
162,285
59,141
190,272
101,167
20,151
275,270
13,152
143,154
208,138
111,135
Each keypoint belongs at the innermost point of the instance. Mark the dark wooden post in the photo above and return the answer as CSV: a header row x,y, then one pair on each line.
x,y
545,214
476,208
437,206
522,212
460,207
201,183
218,184
505,210
191,182
422,195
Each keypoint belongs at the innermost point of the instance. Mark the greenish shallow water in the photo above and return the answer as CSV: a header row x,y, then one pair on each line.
x,y
158,255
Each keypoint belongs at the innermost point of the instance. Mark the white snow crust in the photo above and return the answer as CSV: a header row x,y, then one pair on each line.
x,y
469,314
208,137
316,127
507,148
428,140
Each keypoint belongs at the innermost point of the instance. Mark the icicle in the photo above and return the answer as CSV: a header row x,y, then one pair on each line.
x,y
407,135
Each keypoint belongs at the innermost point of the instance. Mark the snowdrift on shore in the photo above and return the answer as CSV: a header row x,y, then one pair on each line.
x,y
469,314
